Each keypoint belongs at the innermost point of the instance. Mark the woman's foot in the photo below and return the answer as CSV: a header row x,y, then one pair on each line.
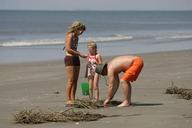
x,y
69,103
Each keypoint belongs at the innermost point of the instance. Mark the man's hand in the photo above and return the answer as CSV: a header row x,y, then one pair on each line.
x,y
106,102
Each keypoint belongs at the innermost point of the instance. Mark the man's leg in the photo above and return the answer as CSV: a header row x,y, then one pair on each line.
x,y
127,93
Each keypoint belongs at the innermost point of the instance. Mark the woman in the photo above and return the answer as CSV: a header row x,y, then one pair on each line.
x,y
71,60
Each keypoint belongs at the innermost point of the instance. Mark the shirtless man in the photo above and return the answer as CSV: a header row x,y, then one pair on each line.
x,y
131,66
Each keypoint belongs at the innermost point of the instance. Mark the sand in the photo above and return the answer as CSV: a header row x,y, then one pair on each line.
x,y
41,85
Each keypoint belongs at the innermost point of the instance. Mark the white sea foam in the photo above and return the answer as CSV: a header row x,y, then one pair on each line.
x,y
174,37
181,37
61,41
30,43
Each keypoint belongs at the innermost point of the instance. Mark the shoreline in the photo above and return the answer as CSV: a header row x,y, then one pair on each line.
x,y
61,59
33,85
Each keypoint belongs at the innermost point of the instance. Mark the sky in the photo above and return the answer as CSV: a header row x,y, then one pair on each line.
x,y
95,4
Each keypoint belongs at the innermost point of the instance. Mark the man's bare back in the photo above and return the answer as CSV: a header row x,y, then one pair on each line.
x,y
121,63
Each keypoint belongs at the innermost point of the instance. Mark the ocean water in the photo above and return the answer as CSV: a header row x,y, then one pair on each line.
x,y
39,35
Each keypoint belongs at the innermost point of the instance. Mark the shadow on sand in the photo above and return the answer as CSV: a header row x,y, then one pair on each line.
x,y
134,104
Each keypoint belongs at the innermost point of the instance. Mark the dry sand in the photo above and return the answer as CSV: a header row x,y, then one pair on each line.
x,y
42,85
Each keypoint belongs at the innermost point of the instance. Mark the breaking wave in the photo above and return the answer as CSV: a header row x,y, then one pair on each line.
x,y
38,42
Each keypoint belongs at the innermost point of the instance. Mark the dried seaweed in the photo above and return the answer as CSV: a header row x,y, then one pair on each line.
x,y
182,92
88,104
38,116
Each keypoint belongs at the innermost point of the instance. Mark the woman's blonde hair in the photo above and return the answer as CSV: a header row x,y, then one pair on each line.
x,y
75,26
92,44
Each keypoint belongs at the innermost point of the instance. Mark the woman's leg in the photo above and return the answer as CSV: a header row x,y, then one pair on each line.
x,y
75,80
70,83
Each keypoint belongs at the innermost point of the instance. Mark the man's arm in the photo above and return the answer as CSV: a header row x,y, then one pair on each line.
x,y
113,82
115,85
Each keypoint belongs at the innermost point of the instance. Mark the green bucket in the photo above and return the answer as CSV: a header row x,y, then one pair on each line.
x,y
85,88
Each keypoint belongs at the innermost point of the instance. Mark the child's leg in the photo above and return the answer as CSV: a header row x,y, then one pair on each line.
x,y
96,87
90,80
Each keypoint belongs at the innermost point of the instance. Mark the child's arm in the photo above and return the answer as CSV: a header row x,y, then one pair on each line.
x,y
99,58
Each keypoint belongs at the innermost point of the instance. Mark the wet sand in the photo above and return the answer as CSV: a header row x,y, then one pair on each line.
x,y
41,85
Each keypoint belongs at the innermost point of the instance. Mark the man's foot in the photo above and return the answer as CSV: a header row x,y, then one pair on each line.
x,y
124,104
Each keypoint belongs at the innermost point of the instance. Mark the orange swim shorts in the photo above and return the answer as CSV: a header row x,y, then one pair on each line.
x,y
133,71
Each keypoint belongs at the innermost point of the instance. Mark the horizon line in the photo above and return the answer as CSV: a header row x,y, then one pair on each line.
x,y
82,10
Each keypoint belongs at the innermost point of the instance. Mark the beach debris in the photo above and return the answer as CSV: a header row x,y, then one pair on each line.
x,y
56,92
33,116
88,104
36,116
182,92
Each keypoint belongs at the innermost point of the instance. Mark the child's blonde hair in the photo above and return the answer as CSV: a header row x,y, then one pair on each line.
x,y
92,44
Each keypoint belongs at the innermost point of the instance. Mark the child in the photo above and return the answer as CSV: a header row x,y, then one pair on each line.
x,y
93,58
